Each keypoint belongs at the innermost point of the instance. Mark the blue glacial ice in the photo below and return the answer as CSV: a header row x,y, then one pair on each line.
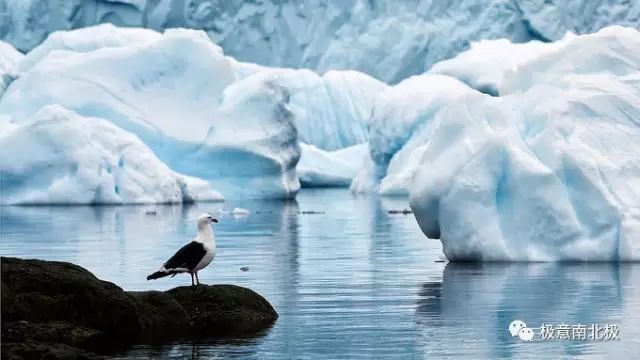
x,y
177,93
234,125
390,40
59,157
331,111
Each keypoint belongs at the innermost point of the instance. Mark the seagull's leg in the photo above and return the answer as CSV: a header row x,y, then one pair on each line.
x,y
192,284
197,280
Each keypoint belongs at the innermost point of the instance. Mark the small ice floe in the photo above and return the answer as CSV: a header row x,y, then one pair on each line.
x,y
403,211
240,212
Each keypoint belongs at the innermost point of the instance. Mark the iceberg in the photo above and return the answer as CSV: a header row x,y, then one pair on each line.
x,y
549,171
179,95
388,40
320,168
60,157
203,114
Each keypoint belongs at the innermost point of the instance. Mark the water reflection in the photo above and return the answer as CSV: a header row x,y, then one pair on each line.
x,y
474,304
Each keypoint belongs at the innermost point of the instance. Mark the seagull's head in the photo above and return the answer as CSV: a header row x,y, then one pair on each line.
x,y
206,219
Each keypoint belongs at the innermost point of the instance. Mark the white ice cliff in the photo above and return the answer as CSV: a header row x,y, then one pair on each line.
x,y
389,40
548,171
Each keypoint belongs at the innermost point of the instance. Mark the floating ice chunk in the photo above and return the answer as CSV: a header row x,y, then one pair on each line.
x,y
59,157
549,172
320,168
240,212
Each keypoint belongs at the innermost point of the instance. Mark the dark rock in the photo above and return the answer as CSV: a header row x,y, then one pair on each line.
x,y
46,351
244,268
54,332
161,316
45,291
311,212
151,212
56,310
224,310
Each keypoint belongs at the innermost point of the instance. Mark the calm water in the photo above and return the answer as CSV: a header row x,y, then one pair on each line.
x,y
352,282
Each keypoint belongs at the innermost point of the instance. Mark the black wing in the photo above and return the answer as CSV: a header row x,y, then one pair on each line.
x,y
187,257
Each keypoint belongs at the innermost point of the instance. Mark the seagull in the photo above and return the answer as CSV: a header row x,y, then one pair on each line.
x,y
194,256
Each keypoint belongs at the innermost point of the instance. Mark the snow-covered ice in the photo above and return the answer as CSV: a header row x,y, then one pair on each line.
x,y
486,64
88,39
499,67
320,168
550,171
58,156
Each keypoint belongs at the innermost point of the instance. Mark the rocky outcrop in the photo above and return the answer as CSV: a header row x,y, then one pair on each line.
x,y
60,310
223,310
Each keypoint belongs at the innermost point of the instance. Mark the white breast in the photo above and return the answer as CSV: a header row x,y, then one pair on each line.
x,y
207,259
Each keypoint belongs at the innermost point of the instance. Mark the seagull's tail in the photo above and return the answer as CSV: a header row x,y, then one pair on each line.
x,y
161,273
